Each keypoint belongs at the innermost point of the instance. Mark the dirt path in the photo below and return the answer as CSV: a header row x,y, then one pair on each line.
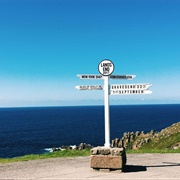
x,y
139,166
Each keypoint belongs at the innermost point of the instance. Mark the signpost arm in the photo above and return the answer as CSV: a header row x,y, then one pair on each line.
x,y
106,111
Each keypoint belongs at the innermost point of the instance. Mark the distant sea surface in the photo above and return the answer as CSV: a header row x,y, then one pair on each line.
x,y
34,130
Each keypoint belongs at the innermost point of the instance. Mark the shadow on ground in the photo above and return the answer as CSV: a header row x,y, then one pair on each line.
x,y
168,164
135,168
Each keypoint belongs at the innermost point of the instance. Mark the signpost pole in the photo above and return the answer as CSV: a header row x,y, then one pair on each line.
x,y
106,111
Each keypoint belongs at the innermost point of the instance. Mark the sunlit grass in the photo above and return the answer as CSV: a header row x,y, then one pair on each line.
x,y
57,154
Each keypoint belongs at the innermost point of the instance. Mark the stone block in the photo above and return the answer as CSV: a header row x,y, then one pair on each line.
x,y
106,162
108,158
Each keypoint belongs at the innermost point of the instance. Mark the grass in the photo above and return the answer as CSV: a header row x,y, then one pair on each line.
x,y
57,154
163,143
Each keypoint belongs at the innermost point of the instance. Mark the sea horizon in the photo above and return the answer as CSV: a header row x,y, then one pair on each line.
x,y
49,106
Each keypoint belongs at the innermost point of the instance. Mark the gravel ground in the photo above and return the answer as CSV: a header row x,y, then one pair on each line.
x,y
139,166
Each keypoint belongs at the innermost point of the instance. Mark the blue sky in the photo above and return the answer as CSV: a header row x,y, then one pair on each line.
x,y
44,44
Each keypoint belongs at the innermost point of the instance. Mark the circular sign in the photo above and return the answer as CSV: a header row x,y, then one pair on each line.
x,y
106,67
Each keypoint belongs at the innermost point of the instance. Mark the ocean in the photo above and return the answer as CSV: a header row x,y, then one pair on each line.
x,y
34,130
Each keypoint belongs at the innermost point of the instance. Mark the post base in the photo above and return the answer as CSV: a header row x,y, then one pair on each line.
x,y
108,158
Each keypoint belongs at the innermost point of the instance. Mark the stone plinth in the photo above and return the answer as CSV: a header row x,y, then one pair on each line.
x,y
108,158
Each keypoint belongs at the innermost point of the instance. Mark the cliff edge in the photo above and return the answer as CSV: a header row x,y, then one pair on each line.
x,y
168,138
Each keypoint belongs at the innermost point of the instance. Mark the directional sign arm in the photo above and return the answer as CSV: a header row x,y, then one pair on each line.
x,y
90,76
129,92
143,86
123,89
91,87
125,77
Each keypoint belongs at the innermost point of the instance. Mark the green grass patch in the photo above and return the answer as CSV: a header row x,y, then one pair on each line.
x,y
162,145
57,154
163,142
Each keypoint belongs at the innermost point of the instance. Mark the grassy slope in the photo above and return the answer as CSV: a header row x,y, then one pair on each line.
x,y
162,141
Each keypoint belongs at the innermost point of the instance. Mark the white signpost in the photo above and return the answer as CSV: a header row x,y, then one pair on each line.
x,y
106,68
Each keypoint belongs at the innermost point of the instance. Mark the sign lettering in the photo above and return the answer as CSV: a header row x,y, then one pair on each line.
x,y
126,77
126,92
90,76
130,86
106,67
96,87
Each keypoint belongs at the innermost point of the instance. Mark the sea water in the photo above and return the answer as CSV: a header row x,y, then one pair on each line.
x,y
36,130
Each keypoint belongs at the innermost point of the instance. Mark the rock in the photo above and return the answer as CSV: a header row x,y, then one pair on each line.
x,y
56,149
117,140
64,147
113,143
95,151
176,146
88,146
104,151
121,144
147,140
84,146
69,148
74,147
116,151
100,150
81,146
137,133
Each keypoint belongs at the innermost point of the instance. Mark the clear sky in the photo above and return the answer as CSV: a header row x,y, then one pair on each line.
x,y
44,44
